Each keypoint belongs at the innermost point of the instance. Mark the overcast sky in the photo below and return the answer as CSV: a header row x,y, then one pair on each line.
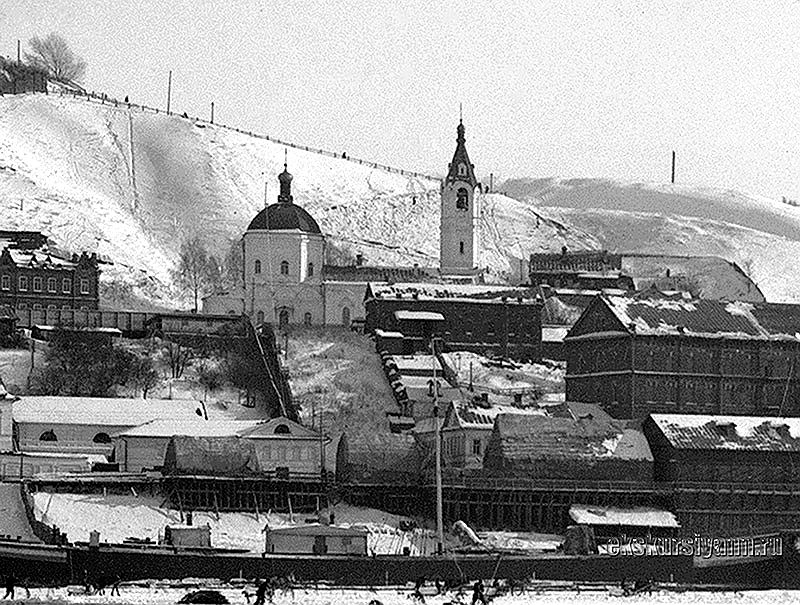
x,y
572,89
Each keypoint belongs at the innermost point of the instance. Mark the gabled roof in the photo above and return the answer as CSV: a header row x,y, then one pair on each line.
x,y
248,429
659,315
584,436
746,433
474,417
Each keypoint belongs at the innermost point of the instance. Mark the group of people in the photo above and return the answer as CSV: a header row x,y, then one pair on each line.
x,y
478,591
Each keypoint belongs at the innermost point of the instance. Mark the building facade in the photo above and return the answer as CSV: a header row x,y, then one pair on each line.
x,y
637,356
34,279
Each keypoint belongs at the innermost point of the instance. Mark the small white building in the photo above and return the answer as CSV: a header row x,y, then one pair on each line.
x,y
317,540
277,443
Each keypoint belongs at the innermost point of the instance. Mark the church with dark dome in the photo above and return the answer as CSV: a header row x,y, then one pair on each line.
x,y
284,277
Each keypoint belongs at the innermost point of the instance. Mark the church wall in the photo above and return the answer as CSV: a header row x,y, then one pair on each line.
x,y
341,295
223,304
273,248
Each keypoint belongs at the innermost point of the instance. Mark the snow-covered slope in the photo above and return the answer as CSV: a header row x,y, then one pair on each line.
x,y
132,185
761,235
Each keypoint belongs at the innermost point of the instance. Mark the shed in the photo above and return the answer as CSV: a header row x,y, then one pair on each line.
x,y
187,535
317,539
611,521
214,456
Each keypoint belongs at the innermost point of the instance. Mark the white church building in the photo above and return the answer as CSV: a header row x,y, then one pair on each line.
x,y
284,277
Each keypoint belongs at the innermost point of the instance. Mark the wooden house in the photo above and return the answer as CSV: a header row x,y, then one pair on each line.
x,y
584,443
317,540
644,354
724,449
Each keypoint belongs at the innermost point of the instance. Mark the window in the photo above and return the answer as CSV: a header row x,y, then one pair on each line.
x,y
260,317
48,436
307,319
5,282
282,429
101,438
462,199
22,306
37,284
284,267
310,269
51,307
66,286
283,318
84,286
257,267
476,447
345,316
461,247
23,282
51,284
37,306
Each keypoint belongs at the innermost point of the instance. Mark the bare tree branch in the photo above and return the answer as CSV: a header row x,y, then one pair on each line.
x,y
53,55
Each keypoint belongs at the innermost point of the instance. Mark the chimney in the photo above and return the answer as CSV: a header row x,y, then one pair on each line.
x,y
359,259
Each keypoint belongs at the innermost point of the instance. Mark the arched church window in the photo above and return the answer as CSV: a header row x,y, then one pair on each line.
x,y
283,318
260,317
101,438
461,247
307,319
462,199
284,267
345,316
48,436
310,269
257,267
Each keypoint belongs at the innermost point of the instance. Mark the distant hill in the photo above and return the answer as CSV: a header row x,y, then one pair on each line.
x,y
132,185
761,236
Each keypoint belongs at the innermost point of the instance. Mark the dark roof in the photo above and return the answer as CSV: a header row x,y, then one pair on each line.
x,y
284,216
383,274
369,455
460,157
215,456
578,261
584,432
659,315
749,433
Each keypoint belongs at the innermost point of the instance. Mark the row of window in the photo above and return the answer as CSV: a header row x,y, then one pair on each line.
x,y
37,282
284,268
51,436
308,320
51,307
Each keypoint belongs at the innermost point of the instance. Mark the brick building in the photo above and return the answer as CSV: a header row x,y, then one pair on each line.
x,y
640,355
480,318
36,279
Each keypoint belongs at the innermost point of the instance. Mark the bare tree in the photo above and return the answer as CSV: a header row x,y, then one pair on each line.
x,y
53,55
198,271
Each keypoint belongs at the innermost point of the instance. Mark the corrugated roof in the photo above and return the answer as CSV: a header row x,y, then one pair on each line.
x,y
107,411
637,517
706,318
748,433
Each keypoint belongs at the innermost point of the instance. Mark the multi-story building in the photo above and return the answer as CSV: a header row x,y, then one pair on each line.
x,y
33,278
638,355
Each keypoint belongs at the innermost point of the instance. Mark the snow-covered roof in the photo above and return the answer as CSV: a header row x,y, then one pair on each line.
x,y
38,258
554,333
637,517
403,315
475,417
659,315
749,433
105,410
194,428
417,362
464,291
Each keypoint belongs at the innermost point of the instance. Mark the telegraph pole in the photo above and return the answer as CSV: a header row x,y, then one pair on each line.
x,y
212,112
169,90
19,54
673,167
438,437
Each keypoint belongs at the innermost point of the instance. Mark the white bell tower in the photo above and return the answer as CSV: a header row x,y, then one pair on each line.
x,y
458,250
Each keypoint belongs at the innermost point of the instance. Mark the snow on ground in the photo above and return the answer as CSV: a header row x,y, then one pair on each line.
x,y
117,517
132,185
505,376
163,593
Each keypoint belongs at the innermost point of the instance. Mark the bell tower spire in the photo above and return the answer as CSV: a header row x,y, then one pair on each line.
x,y
285,180
458,250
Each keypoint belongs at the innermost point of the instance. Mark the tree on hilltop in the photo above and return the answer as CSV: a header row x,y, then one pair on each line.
x,y
53,55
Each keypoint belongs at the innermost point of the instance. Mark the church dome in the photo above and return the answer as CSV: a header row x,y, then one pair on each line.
x,y
282,217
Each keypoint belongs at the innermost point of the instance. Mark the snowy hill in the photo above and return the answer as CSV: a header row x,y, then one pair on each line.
x,y
132,185
761,235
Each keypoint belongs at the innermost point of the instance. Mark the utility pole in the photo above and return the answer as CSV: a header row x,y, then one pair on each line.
x,y
19,54
673,167
169,90
438,437
212,112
